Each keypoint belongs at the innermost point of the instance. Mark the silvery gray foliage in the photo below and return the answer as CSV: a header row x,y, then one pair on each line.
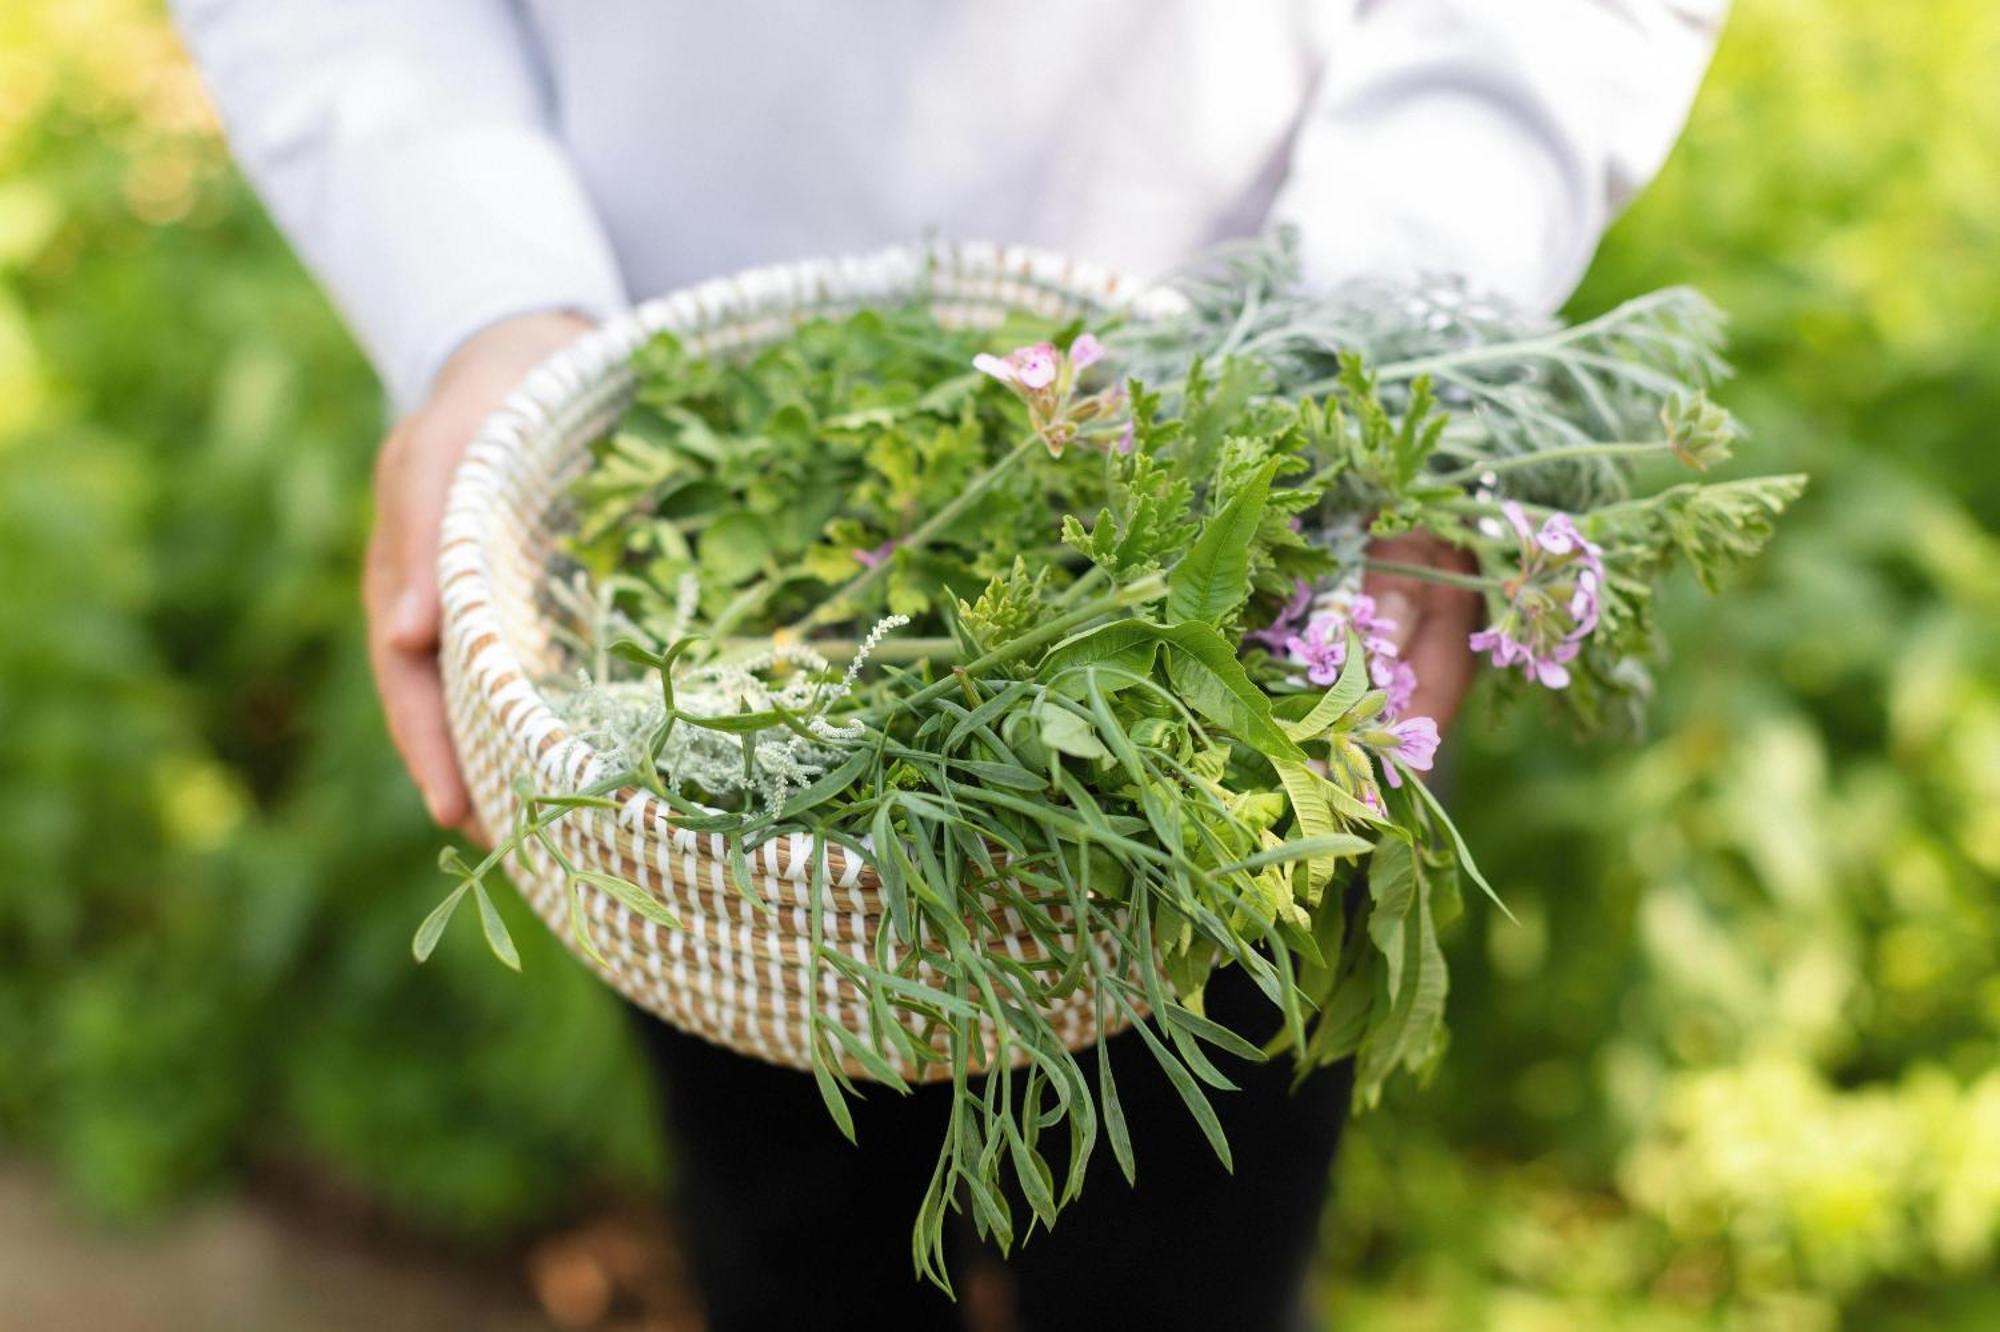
x,y
619,718
1515,382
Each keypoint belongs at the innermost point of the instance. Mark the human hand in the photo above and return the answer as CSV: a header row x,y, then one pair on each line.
x,y
399,588
1433,620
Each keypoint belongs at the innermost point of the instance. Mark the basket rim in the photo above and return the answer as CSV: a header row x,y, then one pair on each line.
x,y
592,371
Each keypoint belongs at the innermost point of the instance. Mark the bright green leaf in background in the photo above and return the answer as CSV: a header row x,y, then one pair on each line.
x,y
1736,1067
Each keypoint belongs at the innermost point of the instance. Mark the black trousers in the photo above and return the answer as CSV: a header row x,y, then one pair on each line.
x,y
792,1229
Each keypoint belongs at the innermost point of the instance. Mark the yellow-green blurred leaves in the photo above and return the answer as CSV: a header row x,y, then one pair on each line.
x,y
1809,1185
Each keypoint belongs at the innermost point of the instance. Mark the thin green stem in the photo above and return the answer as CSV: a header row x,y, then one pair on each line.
x,y
835,605
1658,499
1150,588
743,604
1430,575
1514,462
1087,583
844,649
1397,371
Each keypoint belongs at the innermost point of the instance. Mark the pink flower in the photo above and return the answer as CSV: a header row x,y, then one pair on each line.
x,y
989,364
1550,672
1035,366
1416,741
1032,367
1045,379
1396,679
1413,740
1559,535
1322,649
1554,603
1544,666
1274,636
874,559
1506,651
1378,632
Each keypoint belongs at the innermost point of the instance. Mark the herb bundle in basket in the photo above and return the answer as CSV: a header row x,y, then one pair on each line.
x,y
914,668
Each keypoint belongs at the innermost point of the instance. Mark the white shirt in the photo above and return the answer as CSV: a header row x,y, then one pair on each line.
x,y
444,163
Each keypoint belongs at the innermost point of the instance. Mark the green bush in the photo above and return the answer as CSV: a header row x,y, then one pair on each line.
x,y
210,864
1737,1067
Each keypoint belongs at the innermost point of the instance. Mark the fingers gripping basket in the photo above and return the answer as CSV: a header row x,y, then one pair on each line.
x,y
734,972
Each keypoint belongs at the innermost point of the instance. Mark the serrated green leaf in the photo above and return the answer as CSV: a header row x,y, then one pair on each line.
x,y
1129,645
1304,788
1211,582
1408,1026
1204,668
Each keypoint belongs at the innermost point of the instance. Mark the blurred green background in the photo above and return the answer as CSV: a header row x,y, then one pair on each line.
x,y
1735,1068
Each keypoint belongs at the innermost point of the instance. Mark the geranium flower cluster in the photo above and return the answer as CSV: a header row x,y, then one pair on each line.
x,y
1314,632
1046,380
1552,604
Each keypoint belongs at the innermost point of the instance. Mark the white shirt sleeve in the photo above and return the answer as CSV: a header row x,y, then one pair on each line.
x,y
404,147
1494,139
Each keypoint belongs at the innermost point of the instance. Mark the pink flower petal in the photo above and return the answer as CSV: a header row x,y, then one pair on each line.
x,y
1086,350
989,364
1402,687
1558,535
1416,741
873,559
1034,367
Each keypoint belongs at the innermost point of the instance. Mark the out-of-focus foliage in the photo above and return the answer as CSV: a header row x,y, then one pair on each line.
x,y
208,861
1735,1068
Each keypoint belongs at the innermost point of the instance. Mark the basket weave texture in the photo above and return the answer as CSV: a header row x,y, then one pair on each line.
x,y
732,972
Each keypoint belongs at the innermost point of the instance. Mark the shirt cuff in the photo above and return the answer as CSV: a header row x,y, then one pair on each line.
x,y
1441,186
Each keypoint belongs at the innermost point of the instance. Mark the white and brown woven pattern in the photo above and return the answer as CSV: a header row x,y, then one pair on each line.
x,y
733,973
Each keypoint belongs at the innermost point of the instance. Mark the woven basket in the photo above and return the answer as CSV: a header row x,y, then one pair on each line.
x,y
733,972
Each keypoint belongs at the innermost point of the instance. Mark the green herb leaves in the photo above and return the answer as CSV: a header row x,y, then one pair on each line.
x,y
1054,725
1204,668
1212,580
